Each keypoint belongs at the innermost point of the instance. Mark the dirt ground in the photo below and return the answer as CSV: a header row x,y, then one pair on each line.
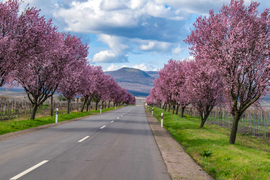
x,y
179,164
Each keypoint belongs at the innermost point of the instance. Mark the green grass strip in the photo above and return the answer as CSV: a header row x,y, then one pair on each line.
x,y
15,125
248,159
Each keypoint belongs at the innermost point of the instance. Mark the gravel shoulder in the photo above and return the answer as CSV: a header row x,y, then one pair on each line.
x,y
179,164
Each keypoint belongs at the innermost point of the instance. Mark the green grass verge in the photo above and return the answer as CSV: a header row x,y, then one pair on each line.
x,y
248,158
15,125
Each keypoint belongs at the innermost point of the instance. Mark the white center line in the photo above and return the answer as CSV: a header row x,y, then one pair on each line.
x,y
111,121
29,170
103,127
118,118
83,139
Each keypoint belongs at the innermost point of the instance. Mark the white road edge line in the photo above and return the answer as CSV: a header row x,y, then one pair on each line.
x,y
103,127
118,118
112,121
29,170
83,139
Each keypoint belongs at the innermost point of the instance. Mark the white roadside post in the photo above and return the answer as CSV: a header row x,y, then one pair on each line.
x,y
100,109
161,119
152,111
56,116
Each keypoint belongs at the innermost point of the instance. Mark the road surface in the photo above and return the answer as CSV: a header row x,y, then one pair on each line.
x,y
117,145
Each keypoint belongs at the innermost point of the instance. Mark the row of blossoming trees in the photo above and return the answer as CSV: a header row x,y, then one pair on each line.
x,y
42,60
231,65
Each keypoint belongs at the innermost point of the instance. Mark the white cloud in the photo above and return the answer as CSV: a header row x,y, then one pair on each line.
x,y
157,46
112,5
145,24
190,58
147,47
144,67
92,16
117,52
137,4
177,50
117,44
157,10
112,67
104,56
108,56
97,16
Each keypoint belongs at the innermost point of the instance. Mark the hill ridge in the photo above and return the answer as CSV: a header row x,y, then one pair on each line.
x,y
136,81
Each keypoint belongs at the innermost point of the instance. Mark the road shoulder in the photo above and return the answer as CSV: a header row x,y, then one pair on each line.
x,y
179,164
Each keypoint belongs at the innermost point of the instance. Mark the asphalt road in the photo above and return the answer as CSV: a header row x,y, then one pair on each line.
x,y
117,145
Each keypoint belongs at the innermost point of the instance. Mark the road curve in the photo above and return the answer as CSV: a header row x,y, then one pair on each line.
x,y
117,145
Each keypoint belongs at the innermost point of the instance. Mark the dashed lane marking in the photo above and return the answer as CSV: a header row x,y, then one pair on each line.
x,y
28,170
83,139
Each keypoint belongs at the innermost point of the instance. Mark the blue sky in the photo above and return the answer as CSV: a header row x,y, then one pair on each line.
x,y
143,34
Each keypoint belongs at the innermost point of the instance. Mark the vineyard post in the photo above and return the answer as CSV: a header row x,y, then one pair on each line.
x,y
161,119
56,116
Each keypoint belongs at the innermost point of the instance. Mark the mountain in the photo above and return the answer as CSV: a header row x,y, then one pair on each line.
x,y
137,82
154,74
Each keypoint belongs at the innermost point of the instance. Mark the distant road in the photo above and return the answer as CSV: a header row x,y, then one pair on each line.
x,y
117,145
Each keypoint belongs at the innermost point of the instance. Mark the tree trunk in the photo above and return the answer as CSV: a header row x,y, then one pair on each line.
x,y
52,105
87,105
85,100
236,119
165,107
204,117
109,104
169,109
96,105
68,106
173,109
182,111
177,107
202,122
34,110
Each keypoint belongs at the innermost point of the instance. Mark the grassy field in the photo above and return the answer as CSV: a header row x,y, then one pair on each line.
x,y
18,124
248,159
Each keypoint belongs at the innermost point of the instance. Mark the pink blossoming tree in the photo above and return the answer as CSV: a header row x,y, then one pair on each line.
x,y
9,38
43,57
204,88
236,42
72,75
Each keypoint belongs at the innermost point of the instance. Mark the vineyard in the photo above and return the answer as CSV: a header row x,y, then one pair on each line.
x,y
14,108
253,122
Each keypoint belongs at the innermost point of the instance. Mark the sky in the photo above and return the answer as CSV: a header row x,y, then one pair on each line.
x,y
142,34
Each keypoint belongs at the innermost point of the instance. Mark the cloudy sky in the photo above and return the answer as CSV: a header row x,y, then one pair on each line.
x,y
143,34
